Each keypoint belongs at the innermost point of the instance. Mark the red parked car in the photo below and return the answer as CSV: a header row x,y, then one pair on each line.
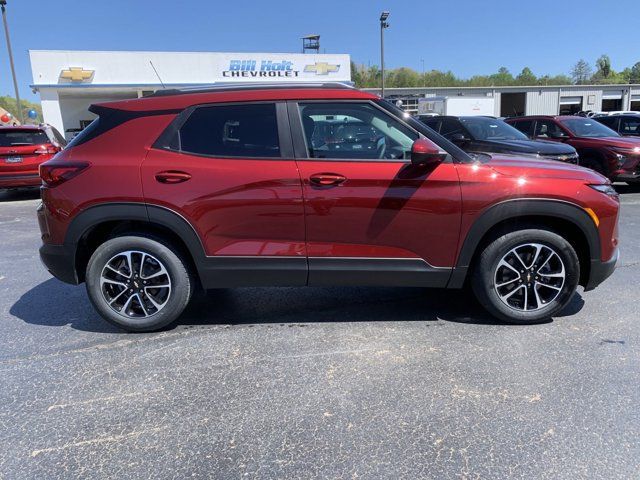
x,y
22,150
599,147
315,184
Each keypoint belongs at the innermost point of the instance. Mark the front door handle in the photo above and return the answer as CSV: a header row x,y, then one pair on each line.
x,y
327,179
172,176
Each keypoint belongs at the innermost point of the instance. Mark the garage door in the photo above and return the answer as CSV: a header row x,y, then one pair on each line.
x,y
570,100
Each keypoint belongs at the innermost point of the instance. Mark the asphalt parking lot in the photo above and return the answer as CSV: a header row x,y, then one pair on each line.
x,y
317,382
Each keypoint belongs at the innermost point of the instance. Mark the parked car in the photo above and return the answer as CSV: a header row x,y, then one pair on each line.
x,y
617,112
599,147
490,135
232,186
22,150
627,125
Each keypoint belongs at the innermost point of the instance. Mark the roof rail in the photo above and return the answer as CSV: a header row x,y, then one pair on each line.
x,y
229,87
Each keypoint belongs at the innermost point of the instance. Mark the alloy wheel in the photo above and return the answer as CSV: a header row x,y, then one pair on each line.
x,y
529,277
135,284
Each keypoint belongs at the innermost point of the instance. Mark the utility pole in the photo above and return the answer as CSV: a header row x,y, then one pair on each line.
x,y
3,3
424,80
383,25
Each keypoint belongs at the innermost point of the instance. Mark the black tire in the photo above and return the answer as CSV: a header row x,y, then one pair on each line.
x,y
486,270
175,298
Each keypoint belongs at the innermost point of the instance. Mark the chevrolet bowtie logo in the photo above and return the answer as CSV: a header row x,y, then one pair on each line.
x,y
76,74
322,68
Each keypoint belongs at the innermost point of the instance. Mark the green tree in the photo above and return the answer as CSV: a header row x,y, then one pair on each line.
x,y
403,77
526,77
581,72
10,105
635,73
503,77
603,66
554,80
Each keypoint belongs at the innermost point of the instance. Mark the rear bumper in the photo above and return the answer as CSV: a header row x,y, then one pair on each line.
x,y
60,261
600,271
20,180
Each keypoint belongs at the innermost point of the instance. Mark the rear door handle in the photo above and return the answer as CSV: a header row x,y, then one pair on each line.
x,y
172,176
327,179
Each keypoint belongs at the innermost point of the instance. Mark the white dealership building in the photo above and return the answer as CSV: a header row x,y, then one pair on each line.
x,y
70,80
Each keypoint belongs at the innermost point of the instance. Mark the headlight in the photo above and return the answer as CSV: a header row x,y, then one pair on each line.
x,y
607,189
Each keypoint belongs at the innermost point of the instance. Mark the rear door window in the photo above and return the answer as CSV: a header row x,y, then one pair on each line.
x,y
247,130
524,126
548,129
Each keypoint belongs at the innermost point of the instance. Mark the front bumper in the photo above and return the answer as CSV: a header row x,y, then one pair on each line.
x,y
60,261
600,270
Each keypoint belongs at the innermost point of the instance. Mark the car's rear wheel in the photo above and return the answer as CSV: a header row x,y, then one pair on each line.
x,y
138,283
526,276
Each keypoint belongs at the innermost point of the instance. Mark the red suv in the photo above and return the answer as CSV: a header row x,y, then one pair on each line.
x,y
599,147
22,150
310,185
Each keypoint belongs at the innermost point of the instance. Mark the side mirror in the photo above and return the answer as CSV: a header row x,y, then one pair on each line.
x,y
555,134
425,152
458,138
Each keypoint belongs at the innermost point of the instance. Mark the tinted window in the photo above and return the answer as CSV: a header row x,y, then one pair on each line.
x,y
231,131
630,126
548,129
524,126
15,138
583,127
432,122
451,126
608,121
354,130
483,128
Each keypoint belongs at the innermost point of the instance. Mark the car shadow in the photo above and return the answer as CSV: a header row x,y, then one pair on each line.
x,y
19,195
244,306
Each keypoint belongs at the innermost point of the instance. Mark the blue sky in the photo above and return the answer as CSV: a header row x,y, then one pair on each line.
x,y
466,36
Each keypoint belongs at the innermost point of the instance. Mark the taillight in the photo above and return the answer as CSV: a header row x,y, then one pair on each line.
x,y
46,150
54,173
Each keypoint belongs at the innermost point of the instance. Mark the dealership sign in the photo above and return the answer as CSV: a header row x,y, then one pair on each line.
x,y
77,68
292,67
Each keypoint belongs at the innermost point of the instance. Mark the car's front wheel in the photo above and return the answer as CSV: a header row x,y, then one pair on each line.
x,y
526,276
138,283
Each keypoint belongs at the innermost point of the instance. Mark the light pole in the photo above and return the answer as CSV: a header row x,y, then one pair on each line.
x,y
424,80
383,25
13,70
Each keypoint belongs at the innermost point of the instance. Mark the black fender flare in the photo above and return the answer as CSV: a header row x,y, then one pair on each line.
x,y
132,211
512,209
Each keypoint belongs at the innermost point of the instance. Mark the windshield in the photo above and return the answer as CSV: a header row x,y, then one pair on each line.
x,y
482,128
459,154
16,138
585,127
